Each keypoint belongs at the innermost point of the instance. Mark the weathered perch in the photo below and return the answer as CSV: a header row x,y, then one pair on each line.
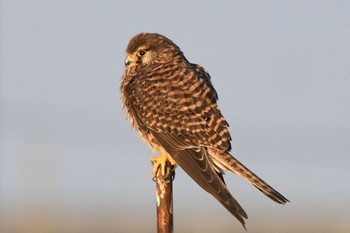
x,y
164,199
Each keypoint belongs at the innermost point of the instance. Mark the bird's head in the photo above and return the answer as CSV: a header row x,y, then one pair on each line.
x,y
150,48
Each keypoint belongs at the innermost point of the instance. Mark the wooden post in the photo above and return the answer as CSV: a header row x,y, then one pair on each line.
x,y
164,199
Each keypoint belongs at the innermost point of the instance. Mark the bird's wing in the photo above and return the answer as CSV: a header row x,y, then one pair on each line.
x,y
177,106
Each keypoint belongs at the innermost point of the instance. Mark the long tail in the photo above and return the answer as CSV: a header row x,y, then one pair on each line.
x,y
230,163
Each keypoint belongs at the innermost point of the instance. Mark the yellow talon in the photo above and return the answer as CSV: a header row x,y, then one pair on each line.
x,y
159,162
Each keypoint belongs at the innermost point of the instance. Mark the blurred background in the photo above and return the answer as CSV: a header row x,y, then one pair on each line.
x,y
70,162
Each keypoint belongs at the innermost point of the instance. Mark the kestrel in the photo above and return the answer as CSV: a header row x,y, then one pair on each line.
x,y
172,104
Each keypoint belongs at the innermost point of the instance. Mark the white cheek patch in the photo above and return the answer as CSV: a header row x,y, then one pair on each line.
x,y
147,58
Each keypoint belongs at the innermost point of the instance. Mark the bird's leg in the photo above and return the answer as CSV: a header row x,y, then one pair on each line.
x,y
159,162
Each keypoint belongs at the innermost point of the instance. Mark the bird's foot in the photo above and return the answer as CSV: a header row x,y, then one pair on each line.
x,y
160,162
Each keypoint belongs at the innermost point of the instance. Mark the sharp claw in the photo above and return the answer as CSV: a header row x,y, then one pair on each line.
x,y
163,169
159,163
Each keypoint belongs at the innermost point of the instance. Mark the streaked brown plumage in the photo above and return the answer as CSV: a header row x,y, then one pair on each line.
x,y
173,106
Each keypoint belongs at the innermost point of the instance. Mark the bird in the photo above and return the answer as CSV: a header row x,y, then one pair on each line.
x,y
173,106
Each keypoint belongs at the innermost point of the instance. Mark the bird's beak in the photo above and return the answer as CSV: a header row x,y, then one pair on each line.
x,y
129,59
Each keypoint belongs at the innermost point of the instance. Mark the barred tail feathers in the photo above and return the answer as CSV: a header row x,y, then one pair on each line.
x,y
228,162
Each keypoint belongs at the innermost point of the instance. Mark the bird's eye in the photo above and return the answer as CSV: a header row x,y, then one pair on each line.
x,y
141,53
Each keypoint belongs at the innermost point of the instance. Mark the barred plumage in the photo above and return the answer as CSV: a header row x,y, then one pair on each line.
x,y
173,106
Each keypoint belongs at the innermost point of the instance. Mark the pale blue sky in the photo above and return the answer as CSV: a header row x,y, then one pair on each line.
x,y
282,72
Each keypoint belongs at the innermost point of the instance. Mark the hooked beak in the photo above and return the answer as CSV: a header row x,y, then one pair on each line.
x,y
129,59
